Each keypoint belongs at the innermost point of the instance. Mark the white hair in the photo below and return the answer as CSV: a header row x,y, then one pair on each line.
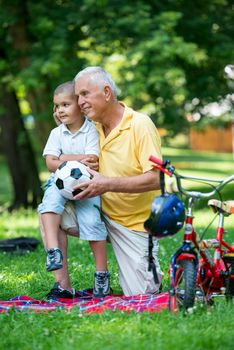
x,y
99,76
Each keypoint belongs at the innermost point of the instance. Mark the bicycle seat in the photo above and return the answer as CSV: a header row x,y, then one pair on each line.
x,y
227,207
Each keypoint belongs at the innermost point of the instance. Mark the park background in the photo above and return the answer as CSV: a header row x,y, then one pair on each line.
x,y
168,60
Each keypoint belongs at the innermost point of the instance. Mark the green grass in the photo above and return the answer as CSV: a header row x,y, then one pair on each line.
x,y
211,330
25,275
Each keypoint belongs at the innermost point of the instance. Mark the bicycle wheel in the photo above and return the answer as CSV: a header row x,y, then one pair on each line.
x,y
229,283
182,294
228,260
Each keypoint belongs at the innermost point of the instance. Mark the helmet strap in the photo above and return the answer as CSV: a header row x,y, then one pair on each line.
x,y
152,266
162,182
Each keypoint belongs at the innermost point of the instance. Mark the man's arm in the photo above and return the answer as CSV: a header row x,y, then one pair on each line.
x,y
100,184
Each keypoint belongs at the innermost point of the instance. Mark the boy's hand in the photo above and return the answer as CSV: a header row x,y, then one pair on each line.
x,y
91,162
56,115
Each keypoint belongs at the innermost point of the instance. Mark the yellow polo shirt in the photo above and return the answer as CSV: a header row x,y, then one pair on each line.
x,y
125,152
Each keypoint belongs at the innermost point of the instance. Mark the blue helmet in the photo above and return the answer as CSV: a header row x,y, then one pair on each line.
x,y
167,216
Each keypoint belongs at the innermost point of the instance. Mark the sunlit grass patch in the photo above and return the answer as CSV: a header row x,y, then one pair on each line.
x,y
18,223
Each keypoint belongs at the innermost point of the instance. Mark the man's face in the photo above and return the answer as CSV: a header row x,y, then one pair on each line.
x,y
91,98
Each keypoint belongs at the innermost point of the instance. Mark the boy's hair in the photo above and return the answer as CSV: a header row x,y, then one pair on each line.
x,y
68,87
100,76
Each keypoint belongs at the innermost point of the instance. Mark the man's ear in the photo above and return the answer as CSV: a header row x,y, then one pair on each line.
x,y
107,92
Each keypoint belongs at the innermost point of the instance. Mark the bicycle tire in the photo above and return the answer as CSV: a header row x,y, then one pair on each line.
x,y
182,294
229,283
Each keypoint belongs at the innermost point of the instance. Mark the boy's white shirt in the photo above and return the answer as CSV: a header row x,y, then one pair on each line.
x,y
62,141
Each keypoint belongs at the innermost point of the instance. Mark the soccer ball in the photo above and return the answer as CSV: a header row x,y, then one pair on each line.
x,y
68,175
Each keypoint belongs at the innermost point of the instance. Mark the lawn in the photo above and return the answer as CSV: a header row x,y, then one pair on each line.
x,y
25,275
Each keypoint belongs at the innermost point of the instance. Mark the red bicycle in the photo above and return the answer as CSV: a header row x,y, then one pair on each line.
x,y
210,274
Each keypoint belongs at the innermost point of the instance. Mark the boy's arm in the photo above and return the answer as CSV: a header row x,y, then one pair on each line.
x,y
91,160
53,150
53,162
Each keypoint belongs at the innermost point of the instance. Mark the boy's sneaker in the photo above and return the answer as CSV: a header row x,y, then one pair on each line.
x,y
59,292
54,259
101,284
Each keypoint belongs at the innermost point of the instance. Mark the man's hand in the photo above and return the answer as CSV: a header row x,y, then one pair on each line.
x,y
95,187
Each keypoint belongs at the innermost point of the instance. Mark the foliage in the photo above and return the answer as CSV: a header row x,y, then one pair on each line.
x,y
217,114
162,54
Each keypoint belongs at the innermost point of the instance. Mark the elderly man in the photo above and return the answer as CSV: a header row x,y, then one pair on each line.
x,y
126,180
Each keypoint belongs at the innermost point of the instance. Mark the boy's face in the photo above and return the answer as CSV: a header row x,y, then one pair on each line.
x,y
67,109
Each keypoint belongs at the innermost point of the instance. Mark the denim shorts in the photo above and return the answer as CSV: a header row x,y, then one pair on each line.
x,y
91,227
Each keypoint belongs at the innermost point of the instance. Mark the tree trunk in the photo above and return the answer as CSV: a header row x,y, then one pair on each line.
x,y
38,98
19,154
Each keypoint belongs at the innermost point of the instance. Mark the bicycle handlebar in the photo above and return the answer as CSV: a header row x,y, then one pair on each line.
x,y
167,168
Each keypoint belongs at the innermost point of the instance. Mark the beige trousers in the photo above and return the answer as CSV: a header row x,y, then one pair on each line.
x,y
131,251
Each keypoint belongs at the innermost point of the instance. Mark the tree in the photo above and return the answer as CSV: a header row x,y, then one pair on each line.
x,y
162,54
19,153
18,50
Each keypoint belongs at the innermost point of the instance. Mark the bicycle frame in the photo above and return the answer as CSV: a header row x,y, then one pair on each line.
x,y
213,270
210,272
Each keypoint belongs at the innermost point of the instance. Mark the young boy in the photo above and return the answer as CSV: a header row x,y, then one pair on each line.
x,y
75,138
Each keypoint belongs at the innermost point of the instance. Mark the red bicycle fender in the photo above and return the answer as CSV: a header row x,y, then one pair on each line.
x,y
186,256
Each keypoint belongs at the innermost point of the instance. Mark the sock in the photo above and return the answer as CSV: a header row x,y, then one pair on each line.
x,y
61,288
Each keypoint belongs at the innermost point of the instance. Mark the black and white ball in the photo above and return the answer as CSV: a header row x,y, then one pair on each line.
x,y
68,175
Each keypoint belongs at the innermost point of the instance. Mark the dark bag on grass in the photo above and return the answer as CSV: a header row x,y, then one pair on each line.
x,y
20,245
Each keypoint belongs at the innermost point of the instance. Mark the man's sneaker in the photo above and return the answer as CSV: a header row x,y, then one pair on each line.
x,y
54,259
59,292
101,284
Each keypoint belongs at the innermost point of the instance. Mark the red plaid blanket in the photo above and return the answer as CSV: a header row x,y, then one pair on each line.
x,y
90,305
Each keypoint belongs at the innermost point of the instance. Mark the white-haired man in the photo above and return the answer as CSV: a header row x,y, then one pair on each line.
x,y
126,180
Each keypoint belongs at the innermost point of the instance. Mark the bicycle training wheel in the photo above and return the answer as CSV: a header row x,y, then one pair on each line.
x,y
182,294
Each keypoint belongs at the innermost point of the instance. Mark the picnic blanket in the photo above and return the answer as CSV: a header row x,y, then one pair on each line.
x,y
87,304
